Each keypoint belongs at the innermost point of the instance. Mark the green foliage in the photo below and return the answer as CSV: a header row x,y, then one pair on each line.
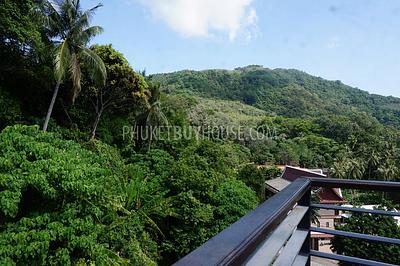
x,y
373,225
125,90
191,229
11,109
115,104
68,201
289,127
55,202
176,107
69,28
232,200
323,150
289,93
53,189
67,21
331,125
223,157
294,142
20,30
110,129
255,178
197,191
261,152
205,196
25,70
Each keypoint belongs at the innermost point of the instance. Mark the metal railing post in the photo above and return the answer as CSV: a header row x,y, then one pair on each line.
x,y
305,224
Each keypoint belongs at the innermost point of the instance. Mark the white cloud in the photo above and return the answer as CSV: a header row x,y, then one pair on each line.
x,y
203,18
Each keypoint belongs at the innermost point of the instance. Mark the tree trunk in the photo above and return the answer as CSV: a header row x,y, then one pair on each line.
x,y
50,110
96,123
66,112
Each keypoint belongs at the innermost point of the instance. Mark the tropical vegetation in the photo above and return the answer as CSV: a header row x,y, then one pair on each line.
x,y
78,184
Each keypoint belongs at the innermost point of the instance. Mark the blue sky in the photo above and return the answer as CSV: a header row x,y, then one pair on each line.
x,y
355,41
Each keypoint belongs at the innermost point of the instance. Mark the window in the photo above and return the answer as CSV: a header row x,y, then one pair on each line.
x,y
327,224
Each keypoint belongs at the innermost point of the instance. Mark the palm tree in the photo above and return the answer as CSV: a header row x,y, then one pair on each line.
x,y
357,169
373,162
388,171
138,197
339,169
155,116
348,168
69,28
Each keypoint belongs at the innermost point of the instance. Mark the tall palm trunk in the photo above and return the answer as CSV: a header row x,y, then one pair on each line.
x,y
50,110
96,123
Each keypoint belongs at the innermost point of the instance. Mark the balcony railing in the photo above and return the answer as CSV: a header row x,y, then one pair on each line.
x,y
278,231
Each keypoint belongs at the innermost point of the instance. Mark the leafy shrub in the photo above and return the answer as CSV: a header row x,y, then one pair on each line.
x,y
374,225
255,178
55,198
206,196
232,200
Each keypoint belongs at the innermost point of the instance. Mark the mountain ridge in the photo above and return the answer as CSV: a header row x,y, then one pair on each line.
x,y
286,92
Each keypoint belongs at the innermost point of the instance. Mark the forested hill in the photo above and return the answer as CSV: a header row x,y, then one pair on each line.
x,y
286,92
128,172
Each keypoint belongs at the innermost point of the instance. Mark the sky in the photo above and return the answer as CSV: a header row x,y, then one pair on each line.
x,y
355,41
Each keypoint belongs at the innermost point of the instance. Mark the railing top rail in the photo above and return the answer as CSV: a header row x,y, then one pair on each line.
x,y
237,242
353,209
355,184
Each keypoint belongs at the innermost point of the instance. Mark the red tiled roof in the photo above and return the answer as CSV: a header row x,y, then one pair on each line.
x,y
326,195
291,173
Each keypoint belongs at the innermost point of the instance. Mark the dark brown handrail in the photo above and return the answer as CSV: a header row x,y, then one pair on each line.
x,y
355,184
236,243
242,240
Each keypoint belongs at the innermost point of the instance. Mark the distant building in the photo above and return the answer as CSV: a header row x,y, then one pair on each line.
x,y
327,218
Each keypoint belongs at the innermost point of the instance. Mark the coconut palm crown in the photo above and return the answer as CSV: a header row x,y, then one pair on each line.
x,y
69,28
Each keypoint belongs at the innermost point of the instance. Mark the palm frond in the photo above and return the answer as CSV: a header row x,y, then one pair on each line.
x,y
87,34
151,222
76,3
86,17
49,13
95,7
55,5
95,65
67,23
93,31
61,60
